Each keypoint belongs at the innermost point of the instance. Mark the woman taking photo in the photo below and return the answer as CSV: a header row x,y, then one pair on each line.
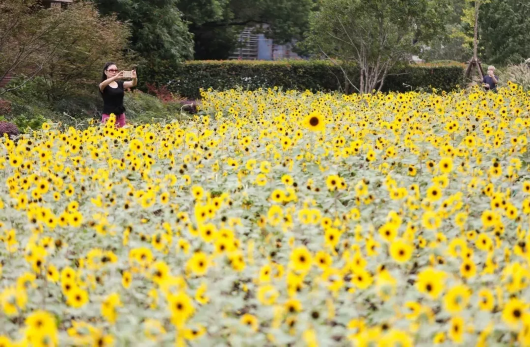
x,y
112,90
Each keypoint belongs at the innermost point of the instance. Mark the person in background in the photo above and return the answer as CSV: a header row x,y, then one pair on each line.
x,y
490,80
112,89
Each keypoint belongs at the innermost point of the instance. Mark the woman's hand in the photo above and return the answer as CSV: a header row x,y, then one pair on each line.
x,y
118,76
133,83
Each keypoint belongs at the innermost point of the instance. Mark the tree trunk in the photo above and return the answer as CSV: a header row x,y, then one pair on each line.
x,y
475,32
475,41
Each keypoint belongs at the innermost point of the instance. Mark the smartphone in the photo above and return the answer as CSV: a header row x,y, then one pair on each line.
x,y
127,74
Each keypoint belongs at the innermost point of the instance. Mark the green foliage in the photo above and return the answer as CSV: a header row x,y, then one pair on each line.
x,y
28,122
448,48
159,33
31,98
144,108
29,108
188,78
193,75
519,74
76,102
425,77
504,32
28,115
456,45
78,66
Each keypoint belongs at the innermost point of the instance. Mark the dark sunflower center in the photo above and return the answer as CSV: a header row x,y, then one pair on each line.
x,y
314,121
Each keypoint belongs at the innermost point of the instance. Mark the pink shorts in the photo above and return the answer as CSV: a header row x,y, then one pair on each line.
x,y
120,120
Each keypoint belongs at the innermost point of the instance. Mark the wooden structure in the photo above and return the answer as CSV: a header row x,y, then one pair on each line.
x,y
474,63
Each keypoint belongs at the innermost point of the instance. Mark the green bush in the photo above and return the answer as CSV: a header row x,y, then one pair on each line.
x,y
142,108
425,77
27,122
188,78
29,107
28,113
518,74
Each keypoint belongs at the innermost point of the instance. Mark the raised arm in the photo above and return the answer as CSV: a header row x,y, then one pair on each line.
x,y
108,81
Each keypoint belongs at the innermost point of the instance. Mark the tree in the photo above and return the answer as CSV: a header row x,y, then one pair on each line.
x,y
376,34
81,53
471,14
55,44
215,24
454,46
160,35
504,31
25,31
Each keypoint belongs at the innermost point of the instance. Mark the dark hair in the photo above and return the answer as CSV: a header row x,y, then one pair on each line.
x,y
103,76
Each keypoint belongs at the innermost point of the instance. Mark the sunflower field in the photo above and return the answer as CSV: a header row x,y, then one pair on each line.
x,y
274,219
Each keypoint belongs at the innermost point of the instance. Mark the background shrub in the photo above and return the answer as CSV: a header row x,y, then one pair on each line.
x,y
142,108
519,74
28,107
188,78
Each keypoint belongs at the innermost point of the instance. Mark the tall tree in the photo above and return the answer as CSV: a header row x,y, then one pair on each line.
x,y
160,35
376,34
505,31
456,45
24,28
215,24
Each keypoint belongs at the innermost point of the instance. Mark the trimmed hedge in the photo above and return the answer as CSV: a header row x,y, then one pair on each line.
x,y
188,78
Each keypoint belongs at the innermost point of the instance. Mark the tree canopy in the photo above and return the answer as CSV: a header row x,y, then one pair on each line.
x,y
56,44
457,44
504,31
375,35
159,32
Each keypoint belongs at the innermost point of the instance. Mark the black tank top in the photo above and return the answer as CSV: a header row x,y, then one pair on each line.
x,y
113,99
